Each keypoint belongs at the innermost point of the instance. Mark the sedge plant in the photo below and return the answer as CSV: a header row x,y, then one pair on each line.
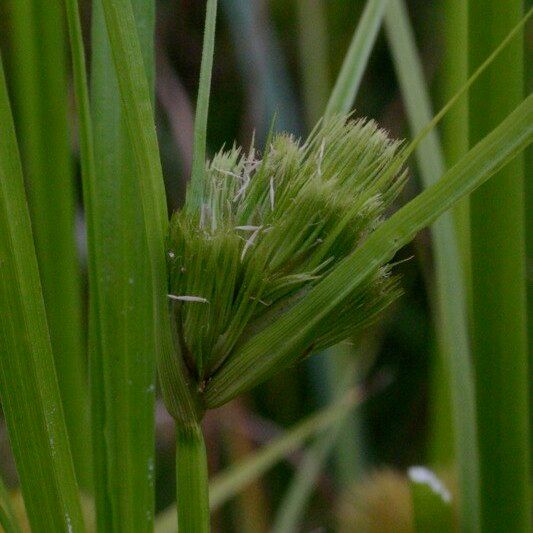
x,y
274,256
257,234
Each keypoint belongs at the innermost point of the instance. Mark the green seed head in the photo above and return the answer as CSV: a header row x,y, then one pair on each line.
x,y
270,229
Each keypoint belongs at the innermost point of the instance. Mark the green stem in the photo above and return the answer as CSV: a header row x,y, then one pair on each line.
x,y
529,258
498,287
192,487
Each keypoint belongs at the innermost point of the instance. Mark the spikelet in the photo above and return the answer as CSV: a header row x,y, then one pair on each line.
x,y
270,229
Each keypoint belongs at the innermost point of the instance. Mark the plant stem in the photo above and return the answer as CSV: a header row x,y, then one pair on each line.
x,y
192,488
454,144
236,478
529,257
498,287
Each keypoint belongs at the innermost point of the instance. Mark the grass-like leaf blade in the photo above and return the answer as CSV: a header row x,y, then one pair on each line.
x,y
40,104
124,334
498,274
28,385
313,56
138,116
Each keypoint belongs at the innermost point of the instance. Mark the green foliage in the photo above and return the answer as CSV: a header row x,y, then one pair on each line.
x,y
274,348
122,355
40,105
28,385
351,74
499,336
274,256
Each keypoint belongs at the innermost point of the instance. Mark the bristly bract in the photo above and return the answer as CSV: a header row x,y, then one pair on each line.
x,y
273,226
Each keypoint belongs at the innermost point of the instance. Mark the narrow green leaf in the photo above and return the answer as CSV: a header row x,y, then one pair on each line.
x,y
509,38
454,128
135,95
150,203
40,103
124,334
452,75
499,337
356,59
96,290
432,502
529,259
295,501
194,196
351,452
451,303
28,384
268,351
232,481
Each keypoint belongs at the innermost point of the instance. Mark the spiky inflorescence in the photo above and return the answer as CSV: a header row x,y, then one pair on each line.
x,y
270,229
